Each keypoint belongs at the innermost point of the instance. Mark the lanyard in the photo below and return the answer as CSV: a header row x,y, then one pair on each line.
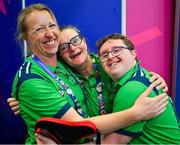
x,y
65,87
98,87
99,90
79,82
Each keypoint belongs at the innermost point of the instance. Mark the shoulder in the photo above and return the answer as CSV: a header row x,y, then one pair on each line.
x,y
131,88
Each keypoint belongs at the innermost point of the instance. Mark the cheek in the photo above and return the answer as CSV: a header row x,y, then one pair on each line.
x,y
105,67
65,57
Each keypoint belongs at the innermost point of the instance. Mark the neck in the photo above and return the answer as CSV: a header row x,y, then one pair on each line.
x,y
52,61
120,75
86,69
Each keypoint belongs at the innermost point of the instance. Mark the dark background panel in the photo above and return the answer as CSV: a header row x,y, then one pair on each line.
x,y
95,18
11,127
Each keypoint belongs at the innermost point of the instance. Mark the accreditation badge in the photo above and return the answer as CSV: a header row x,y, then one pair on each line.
x,y
69,91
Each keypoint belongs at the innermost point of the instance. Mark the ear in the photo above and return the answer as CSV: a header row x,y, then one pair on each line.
x,y
134,53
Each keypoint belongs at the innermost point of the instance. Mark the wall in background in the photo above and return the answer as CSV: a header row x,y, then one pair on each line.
x,y
11,57
176,59
150,25
95,18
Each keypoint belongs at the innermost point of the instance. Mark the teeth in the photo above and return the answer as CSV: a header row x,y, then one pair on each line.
x,y
114,63
50,42
75,55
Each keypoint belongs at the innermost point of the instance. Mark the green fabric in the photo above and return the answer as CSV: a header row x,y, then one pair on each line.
x,y
91,92
162,129
40,97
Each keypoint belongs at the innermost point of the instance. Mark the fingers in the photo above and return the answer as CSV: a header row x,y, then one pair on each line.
x,y
161,98
44,140
9,100
16,112
161,111
147,91
161,102
153,77
38,139
14,105
158,82
165,89
162,86
15,109
12,102
157,105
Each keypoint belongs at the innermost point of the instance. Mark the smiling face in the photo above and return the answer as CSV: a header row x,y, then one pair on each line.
x,y
76,56
42,33
117,66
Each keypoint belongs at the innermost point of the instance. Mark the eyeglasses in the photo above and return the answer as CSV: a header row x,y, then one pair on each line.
x,y
76,40
115,51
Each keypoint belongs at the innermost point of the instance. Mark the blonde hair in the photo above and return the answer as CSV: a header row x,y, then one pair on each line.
x,y
21,24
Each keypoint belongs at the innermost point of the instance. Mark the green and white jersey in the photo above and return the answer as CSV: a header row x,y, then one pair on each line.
x,y
97,76
163,129
40,95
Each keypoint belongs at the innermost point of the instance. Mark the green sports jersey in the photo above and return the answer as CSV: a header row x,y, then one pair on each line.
x,y
90,88
163,129
40,95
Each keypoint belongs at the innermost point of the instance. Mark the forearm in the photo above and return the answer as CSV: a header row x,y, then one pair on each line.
x,y
116,138
107,123
114,121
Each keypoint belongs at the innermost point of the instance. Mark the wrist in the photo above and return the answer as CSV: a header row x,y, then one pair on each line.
x,y
135,115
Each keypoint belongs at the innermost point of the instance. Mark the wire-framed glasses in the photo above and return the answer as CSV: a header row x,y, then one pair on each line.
x,y
115,51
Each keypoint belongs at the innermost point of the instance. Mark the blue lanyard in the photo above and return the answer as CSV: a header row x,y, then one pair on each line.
x,y
99,90
98,87
65,87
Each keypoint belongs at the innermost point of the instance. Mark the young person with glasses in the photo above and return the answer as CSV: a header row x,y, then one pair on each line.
x,y
119,59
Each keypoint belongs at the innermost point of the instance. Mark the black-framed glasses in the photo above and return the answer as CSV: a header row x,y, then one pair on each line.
x,y
76,40
115,51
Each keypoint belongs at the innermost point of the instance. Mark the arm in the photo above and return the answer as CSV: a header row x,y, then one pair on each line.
x,y
125,116
155,79
152,106
144,108
123,101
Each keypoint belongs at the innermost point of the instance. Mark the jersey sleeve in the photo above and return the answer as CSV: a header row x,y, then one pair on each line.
x,y
40,98
124,99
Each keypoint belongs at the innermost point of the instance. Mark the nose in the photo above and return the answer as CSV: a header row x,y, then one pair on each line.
x,y
110,55
72,47
49,33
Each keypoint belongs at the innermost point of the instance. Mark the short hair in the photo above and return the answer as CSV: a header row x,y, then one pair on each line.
x,y
70,27
115,36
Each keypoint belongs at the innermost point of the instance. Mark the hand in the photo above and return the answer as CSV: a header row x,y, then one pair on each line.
x,y
44,140
147,108
158,81
14,104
